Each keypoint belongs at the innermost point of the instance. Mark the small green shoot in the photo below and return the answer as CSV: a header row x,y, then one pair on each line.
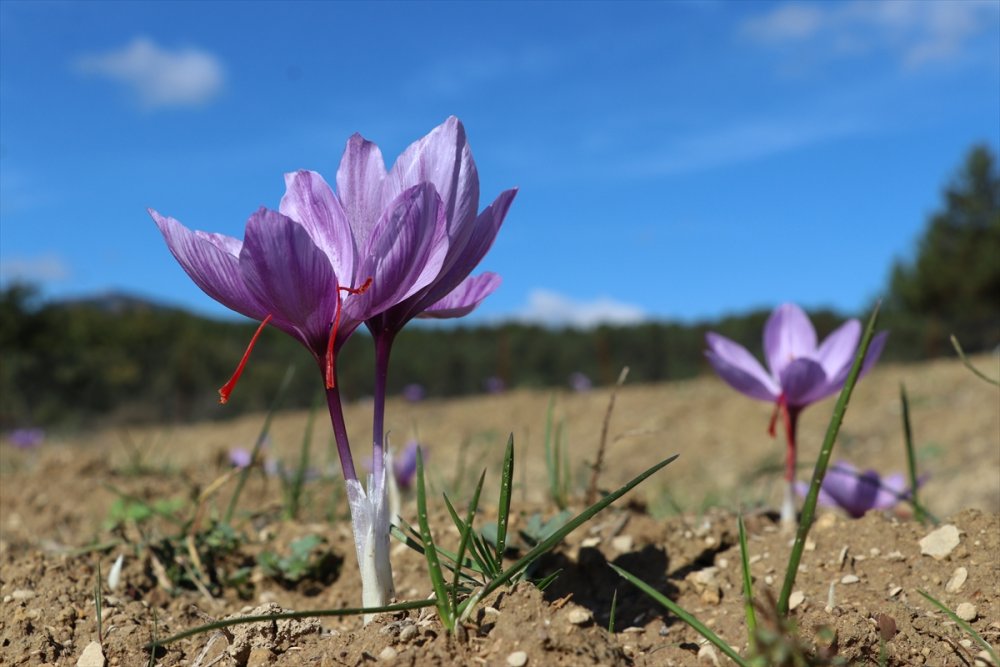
x,y
822,462
751,614
919,513
614,610
503,508
698,626
294,486
307,560
445,611
261,437
964,625
968,364
556,459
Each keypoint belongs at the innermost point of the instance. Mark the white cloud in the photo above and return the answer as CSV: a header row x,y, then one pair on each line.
x,y
40,269
918,32
556,310
160,77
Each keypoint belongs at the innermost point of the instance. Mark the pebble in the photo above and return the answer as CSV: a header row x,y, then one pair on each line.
x,y
795,599
894,591
966,611
622,544
850,579
408,633
590,542
580,616
957,580
983,659
517,659
387,654
22,594
939,543
708,656
92,656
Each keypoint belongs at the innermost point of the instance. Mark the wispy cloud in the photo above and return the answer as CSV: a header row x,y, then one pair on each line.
x,y
40,269
549,308
454,76
158,76
918,33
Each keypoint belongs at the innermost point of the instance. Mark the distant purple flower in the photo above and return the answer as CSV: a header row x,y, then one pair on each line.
x,y
494,385
26,438
858,492
404,464
240,457
801,372
414,393
579,382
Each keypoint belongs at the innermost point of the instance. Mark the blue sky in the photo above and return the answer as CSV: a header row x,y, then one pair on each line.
x,y
675,160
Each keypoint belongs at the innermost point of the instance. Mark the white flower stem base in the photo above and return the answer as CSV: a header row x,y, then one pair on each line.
x,y
788,507
370,521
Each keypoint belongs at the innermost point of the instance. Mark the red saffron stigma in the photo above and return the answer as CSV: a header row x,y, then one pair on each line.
x,y
330,379
778,405
227,388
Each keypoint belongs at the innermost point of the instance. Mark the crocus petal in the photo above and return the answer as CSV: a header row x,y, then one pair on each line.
x,y
463,299
443,158
309,201
874,352
359,183
837,351
405,251
802,379
892,490
824,498
738,367
788,335
210,261
291,276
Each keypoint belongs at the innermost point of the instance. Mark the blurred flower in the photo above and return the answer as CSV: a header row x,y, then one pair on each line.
x,y
404,464
801,372
494,385
579,382
858,492
26,438
240,457
414,393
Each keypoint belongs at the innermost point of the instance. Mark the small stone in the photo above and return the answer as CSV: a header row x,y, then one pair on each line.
x,y
578,616
939,543
708,656
966,611
768,580
22,594
622,544
850,579
810,545
590,542
894,591
408,633
826,521
92,656
723,563
795,599
517,659
387,654
983,659
957,580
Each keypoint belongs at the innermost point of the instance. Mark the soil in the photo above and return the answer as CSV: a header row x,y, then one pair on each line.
x,y
78,502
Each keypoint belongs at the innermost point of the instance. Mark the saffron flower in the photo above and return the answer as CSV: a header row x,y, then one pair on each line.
x,y
386,247
800,372
26,438
858,492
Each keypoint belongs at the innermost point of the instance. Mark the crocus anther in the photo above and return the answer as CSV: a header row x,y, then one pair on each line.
x,y
330,356
227,388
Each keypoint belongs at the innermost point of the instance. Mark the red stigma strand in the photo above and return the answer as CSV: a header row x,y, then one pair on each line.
x,y
330,356
227,388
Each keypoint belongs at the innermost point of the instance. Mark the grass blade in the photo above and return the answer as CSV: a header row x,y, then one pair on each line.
x,y
551,465
964,625
822,462
968,364
464,541
554,539
614,610
503,509
748,609
299,479
911,457
430,551
291,615
700,627
245,473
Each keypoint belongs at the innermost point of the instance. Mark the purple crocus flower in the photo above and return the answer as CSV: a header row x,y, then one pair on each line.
x,y
26,438
404,465
579,382
414,393
801,372
858,492
240,457
443,159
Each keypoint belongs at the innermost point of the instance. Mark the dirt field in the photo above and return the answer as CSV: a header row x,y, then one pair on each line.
x,y
677,531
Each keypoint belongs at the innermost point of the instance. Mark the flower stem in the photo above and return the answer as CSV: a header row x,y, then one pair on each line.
x,y
791,418
383,347
340,433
